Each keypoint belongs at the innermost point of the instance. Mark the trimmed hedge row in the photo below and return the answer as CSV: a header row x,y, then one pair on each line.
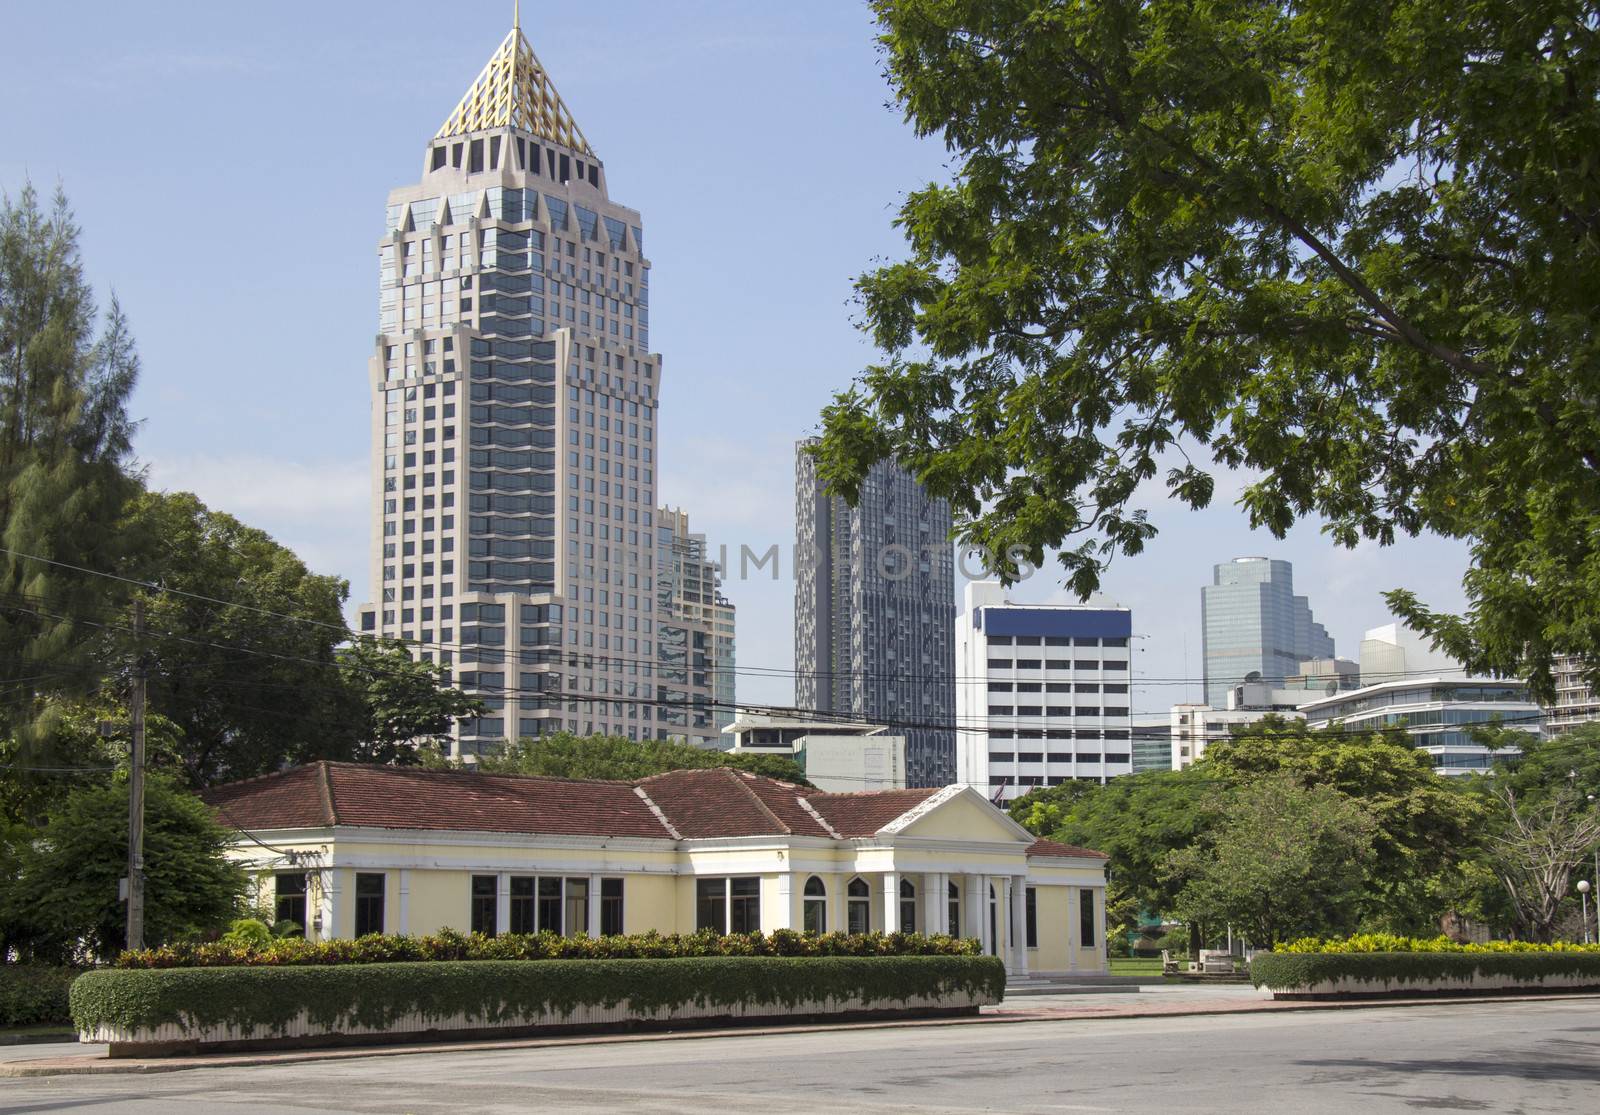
x,y
1294,971
500,992
1388,942
447,945
35,994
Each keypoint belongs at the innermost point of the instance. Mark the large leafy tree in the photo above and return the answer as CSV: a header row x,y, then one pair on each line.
x,y
1286,860
60,896
65,460
401,705
1352,249
241,641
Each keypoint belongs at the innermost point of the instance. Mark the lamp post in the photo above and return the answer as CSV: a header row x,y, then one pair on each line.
x,y
1583,893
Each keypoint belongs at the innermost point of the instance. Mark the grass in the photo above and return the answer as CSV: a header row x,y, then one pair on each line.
x,y
1135,965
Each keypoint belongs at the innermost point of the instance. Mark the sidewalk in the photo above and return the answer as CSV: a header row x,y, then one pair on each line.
x,y
1156,1001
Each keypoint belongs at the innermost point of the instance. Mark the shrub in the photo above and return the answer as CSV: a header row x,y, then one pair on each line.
x,y
1388,943
1292,970
248,933
501,992
34,994
449,944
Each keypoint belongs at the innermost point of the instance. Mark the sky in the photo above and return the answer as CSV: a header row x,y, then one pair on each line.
x,y
229,165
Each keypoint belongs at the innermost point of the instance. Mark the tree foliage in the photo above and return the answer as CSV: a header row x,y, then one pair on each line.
x,y
1351,249
65,457
1285,860
402,704
565,755
59,899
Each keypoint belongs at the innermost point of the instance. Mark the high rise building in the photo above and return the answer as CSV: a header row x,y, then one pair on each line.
x,y
1437,713
1042,696
1255,628
514,402
874,611
1576,703
694,635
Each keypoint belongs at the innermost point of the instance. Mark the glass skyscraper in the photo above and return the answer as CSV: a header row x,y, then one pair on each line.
x,y
1255,628
874,611
514,408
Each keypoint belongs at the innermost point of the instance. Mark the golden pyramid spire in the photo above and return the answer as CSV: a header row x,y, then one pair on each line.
x,y
514,90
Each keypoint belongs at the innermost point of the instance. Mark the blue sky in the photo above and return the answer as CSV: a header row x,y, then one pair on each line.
x,y
229,164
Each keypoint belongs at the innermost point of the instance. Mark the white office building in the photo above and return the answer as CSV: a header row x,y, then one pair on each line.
x,y
1042,693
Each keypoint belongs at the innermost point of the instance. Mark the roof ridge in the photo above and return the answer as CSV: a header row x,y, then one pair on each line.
x,y
821,820
325,785
659,812
742,783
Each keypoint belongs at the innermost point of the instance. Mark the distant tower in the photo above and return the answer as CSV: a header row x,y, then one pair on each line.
x,y
694,635
874,611
1255,628
514,400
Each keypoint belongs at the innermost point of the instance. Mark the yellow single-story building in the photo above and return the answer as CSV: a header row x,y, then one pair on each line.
x,y
347,849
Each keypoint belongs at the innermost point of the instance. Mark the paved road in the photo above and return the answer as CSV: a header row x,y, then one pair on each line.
x,y
1524,1057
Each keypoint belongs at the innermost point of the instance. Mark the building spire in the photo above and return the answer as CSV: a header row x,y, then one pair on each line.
x,y
514,90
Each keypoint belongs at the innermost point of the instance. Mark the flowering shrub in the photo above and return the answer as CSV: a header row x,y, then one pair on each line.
x,y
1387,942
448,944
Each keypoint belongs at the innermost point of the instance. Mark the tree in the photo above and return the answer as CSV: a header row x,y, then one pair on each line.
x,y
60,902
1286,860
1424,825
65,459
565,755
1348,248
241,650
1534,852
402,703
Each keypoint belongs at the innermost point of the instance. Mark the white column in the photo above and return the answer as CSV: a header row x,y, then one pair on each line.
x,y
891,902
331,906
1070,930
502,903
784,905
972,907
1101,964
933,903
405,901
837,913
1019,924
594,906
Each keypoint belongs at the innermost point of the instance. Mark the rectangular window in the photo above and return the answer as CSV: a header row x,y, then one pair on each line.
x,y
1032,917
549,905
290,892
485,909
744,910
522,920
711,905
1086,919
577,908
369,903
610,907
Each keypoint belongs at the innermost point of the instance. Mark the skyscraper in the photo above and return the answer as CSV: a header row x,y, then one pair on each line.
x,y
694,635
513,420
874,611
1255,628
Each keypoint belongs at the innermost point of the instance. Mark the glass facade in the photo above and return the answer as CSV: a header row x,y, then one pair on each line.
x,y
1437,715
1255,628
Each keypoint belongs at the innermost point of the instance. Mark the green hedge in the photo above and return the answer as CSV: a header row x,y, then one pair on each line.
x,y
451,945
34,994
499,991
1289,971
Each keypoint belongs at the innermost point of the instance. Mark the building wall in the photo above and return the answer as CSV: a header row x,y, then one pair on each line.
x,y
1075,717
875,611
1437,713
1254,624
694,636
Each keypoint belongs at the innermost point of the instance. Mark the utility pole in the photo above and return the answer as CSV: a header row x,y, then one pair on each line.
x,y
136,786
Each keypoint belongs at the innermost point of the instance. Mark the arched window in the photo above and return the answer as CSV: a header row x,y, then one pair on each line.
x,y
954,923
815,906
858,906
908,907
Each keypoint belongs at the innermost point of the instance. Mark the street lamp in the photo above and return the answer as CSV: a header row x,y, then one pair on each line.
x,y
1583,893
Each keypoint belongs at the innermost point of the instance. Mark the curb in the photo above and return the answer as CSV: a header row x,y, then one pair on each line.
x,y
102,1065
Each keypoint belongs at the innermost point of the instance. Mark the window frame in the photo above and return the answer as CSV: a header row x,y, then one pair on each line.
x,y
814,903
369,906
299,898
858,902
483,904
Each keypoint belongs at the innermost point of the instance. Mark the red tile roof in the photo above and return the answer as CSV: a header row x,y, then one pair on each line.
x,y
714,802
1052,848
325,794
864,813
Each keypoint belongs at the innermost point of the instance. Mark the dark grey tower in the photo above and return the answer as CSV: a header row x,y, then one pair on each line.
x,y
874,611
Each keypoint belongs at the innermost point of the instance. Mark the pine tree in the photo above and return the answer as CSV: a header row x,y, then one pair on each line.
x,y
66,469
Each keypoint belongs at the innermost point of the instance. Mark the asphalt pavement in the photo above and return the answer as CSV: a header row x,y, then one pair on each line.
x,y
1529,1057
